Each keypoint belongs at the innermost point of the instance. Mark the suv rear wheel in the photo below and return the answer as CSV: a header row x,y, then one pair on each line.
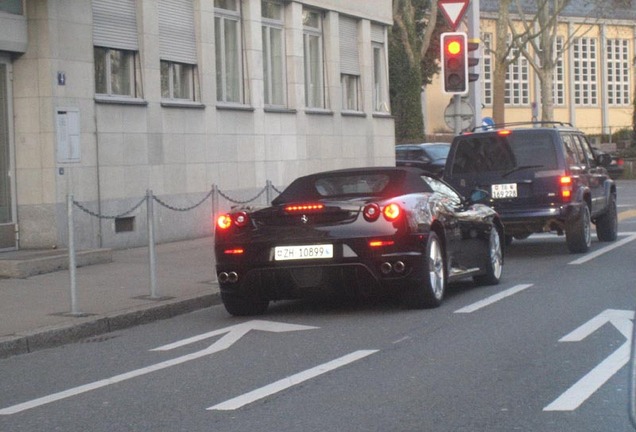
x,y
578,232
607,224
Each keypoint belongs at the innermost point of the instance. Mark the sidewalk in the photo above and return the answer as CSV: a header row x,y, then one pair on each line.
x,y
35,312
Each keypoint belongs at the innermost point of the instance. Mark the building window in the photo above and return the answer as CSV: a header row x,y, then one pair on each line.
x,y
177,50
487,68
177,81
273,52
380,97
558,91
115,48
585,72
618,83
227,38
313,59
349,64
517,81
115,72
12,7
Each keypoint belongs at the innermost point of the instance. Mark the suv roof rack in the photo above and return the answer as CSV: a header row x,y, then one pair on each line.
x,y
555,124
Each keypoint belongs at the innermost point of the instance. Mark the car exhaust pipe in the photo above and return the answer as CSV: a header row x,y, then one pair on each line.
x,y
232,277
399,267
223,277
386,268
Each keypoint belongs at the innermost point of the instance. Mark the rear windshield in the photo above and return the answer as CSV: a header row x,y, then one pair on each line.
x,y
414,153
353,184
494,152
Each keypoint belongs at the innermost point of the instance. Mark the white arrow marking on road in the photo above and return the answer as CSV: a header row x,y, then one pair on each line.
x,y
234,333
593,380
290,381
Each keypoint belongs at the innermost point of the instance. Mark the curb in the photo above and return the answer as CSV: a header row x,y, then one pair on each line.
x,y
49,337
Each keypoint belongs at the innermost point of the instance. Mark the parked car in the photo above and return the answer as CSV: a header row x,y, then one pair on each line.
x,y
616,168
357,232
542,177
430,157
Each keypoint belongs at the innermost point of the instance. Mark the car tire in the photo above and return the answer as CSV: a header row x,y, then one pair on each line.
x,y
241,306
428,291
494,266
607,224
578,232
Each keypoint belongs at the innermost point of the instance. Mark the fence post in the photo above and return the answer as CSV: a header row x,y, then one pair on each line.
x,y
71,254
151,245
268,186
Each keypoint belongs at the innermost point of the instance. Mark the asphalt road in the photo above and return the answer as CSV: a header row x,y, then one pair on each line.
x,y
543,351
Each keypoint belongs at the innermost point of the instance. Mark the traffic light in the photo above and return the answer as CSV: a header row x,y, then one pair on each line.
x,y
473,45
454,59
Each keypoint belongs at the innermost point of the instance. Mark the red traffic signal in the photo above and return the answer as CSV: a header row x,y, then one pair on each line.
x,y
454,59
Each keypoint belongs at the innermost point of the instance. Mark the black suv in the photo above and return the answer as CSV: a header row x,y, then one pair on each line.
x,y
540,177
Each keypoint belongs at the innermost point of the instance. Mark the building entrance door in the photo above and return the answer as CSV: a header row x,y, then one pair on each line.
x,y
8,238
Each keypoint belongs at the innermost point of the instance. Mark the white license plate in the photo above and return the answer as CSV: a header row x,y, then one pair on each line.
x,y
507,190
305,252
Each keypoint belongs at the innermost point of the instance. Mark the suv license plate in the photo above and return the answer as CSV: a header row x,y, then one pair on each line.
x,y
506,190
285,253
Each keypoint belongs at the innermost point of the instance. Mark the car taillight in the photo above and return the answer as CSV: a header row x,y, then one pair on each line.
x,y
620,162
295,208
239,219
504,132
392,212
566,188
234,251
380,243
223,222
371,212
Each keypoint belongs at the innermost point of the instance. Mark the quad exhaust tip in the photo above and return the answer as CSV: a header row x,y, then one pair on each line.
x,y
231,277
397,267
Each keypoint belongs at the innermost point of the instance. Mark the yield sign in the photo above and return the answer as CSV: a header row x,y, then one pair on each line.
x,y
453,11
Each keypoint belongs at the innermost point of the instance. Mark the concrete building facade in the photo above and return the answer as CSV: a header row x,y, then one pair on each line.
x,y
106,100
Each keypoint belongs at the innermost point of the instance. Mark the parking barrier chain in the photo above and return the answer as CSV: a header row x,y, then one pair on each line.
x,y
183,209
101,216
242,202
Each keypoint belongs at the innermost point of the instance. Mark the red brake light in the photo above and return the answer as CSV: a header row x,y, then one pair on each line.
x,y
241,219
392,212
304,207
235,251
380,243
566,188
224,221
371,212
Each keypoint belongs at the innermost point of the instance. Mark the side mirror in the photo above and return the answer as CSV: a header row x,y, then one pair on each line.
x,y
479,196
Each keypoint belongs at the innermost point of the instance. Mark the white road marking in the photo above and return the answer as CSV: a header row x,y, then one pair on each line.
x,y
290,381
604,250
493,299
593,380
233,334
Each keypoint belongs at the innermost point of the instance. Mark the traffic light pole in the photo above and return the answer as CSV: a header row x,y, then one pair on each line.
x,y
475,87
457,118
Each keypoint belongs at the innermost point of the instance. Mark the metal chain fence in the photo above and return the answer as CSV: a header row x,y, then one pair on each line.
x,y
214,193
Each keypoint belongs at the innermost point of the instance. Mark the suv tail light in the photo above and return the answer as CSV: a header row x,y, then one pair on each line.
x,y
565,182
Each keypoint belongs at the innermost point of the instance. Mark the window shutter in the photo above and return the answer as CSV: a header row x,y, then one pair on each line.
x,y
349,63
176,31
115,24
377,33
